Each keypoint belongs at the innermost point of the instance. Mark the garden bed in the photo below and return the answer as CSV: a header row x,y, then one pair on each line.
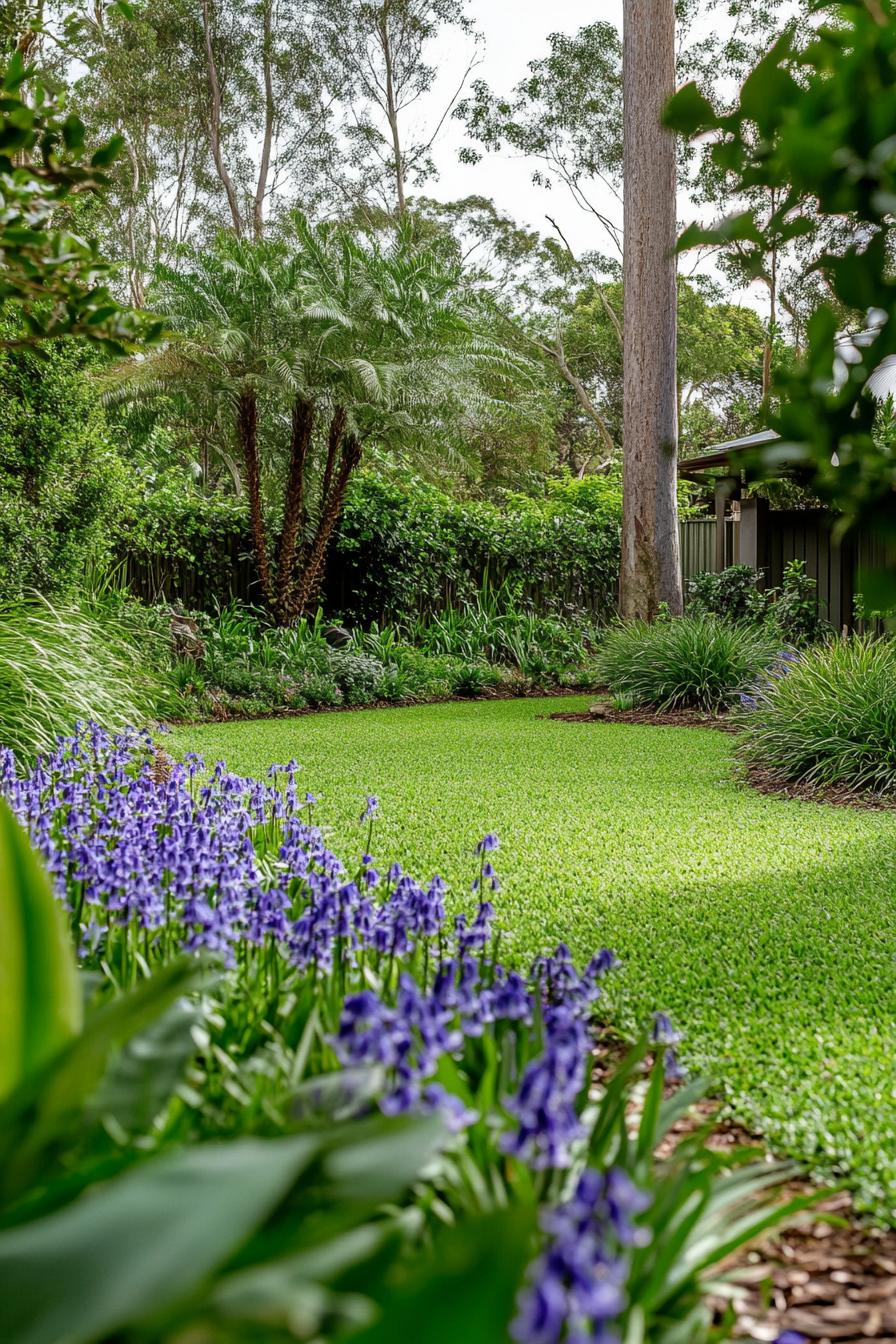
x,y
768,781
671,718
492,693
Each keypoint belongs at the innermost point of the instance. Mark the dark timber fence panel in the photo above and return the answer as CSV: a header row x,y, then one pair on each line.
x,y
796,534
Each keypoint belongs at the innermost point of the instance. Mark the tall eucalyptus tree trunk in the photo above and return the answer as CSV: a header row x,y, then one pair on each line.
x,y
651,568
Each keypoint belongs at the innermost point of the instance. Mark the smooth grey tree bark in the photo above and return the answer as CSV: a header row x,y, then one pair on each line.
x,y
651,566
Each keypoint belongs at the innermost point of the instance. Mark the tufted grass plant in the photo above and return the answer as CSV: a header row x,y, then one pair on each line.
x,y
828,717
62,663
692,662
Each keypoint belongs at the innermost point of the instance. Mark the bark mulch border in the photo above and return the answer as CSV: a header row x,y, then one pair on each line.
x,y
754,776
829,1276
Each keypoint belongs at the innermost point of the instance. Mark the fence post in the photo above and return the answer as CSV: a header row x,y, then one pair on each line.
x,y
727,487
753,539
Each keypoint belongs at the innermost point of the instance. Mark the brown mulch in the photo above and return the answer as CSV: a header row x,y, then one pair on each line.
x,y
829,1277
672,718
832,1281
767,781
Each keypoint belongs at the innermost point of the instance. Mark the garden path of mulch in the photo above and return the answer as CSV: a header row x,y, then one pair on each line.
x,y
766,781
829,1276
669,718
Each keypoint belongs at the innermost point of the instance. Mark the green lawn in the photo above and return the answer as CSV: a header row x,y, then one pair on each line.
x,y
767,928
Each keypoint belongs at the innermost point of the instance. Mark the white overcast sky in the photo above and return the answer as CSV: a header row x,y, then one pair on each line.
x,y
515,32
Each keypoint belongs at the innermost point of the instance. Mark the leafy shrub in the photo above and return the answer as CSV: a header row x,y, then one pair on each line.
x,y
731,593
473,678
828,716
60,664
694,661
794,607
182,544
358,676
305,1028
62,485
240,678
319,689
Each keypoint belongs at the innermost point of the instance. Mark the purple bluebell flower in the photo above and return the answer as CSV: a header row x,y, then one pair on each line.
x,y
575,1290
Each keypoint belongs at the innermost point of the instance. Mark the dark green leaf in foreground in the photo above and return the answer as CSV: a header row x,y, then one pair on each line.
x,y
139,1244
40,1001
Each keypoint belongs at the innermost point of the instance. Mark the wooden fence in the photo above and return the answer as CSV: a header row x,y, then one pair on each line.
x,y
348,591
769,539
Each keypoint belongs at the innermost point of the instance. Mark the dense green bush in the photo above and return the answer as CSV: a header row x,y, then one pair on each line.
x,y
733,593
407,549
183,544
690,662
358,676
828,716
59,664
62,485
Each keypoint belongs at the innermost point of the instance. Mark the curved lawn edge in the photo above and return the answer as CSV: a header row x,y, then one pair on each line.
x,y
765,927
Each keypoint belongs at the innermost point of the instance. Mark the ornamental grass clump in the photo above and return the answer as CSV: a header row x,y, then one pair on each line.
x,y
690,662
327,991
61,663
827,716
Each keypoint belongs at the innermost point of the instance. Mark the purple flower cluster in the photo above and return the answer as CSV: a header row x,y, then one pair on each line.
x,y
152,858
575,1290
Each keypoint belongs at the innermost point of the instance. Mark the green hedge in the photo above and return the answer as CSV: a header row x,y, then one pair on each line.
x,y
406,548
183,545
403,548
62,484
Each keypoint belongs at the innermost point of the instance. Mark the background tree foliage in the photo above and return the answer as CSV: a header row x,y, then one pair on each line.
x,y
53,281
815,124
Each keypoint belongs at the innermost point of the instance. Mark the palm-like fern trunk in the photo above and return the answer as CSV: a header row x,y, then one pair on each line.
x,y
343,457
294,511
247,434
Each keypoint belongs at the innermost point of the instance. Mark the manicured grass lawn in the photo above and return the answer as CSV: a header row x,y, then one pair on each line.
x,y
767,928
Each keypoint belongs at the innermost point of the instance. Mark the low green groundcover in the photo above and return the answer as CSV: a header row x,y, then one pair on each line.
x,y
766,927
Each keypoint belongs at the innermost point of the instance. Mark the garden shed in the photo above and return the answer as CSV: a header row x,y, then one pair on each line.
x,y
750,531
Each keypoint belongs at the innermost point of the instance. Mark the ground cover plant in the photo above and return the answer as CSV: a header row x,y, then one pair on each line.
x,y
324,989
766,927
699,661
237,663
827,716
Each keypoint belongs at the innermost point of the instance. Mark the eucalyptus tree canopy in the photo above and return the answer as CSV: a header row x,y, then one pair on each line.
x,y
379,65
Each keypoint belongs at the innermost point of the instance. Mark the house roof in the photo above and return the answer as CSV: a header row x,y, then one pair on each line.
x,y
725,454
